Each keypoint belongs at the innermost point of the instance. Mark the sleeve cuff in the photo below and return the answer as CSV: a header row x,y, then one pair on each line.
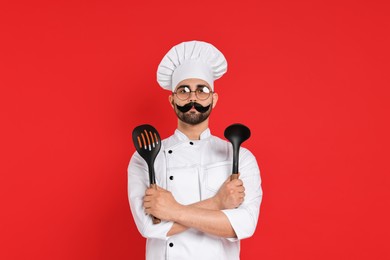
x,y
158,231
242,222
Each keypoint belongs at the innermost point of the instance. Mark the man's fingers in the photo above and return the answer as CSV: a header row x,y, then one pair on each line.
x,y
150,191
147,210
159,188
147,205
237,182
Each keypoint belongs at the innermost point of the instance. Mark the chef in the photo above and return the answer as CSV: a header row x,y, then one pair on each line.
x,y
204,214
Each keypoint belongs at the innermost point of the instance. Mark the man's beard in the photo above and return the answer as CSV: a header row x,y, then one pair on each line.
x,y
193,117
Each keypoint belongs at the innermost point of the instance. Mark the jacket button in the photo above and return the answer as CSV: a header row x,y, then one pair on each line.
x,y
191,143
170,151
171,244
171,178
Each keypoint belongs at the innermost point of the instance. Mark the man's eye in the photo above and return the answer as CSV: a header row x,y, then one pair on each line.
x,y
203,90
183,90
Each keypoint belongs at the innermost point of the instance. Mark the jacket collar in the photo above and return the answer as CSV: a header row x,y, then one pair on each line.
x,y
182,137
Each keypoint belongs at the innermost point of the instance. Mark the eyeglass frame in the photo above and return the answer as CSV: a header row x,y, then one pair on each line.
x,y
195,91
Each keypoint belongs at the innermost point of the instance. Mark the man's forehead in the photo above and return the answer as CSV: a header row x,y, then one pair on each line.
x,y
188,86
192,83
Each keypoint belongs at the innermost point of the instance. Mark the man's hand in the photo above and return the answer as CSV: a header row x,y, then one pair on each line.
x,y
231,194
161,203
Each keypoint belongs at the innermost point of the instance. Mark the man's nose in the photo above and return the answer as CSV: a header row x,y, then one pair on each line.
x,y
192,96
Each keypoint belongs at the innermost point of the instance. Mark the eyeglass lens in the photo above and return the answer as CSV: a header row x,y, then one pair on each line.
x,y
201,92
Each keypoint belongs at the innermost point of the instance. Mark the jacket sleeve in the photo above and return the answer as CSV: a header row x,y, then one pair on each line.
x,y
244,218
138,182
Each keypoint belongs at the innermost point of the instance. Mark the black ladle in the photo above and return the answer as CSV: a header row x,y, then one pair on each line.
x,y
236,134
147,142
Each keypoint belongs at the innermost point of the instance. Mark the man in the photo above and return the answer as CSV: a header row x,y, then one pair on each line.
x,y
204,214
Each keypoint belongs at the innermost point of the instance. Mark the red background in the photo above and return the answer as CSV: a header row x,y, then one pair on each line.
x,y
310,78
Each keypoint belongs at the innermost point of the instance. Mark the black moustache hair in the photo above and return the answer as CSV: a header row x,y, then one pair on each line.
x,y
188,106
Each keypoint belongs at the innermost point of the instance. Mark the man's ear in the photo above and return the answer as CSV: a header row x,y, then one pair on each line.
x,y
215,99
171,101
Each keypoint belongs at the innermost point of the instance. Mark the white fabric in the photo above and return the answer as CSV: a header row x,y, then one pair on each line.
x,y
193,59
198,171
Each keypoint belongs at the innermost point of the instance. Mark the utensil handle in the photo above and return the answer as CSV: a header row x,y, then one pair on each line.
x,y
236,155
154,219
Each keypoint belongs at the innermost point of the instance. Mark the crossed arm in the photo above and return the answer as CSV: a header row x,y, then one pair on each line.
x,y
205,216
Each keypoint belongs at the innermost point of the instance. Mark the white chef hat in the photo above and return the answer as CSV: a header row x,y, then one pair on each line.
x,y
193,59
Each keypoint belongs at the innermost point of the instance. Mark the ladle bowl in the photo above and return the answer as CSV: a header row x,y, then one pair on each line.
x,y
236,134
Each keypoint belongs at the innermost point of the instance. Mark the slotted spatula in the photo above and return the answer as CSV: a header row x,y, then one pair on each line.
x,y
147,142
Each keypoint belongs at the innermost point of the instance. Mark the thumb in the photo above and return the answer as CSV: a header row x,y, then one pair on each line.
x,y
228,179
235,176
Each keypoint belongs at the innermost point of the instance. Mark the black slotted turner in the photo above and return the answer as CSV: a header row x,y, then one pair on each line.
x,y
147,142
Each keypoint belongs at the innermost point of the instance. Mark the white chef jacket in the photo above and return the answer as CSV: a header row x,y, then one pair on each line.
x,y
194,170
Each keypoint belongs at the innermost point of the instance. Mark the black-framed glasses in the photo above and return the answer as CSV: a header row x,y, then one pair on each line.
x,y
202,92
